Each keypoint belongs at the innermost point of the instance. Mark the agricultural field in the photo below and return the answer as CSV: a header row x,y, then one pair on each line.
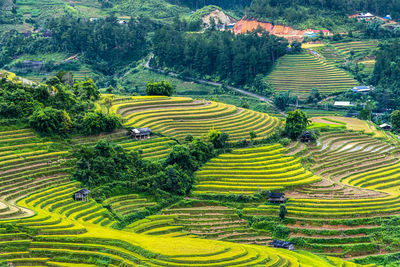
x,y
252,170
341,214
41,225
356,47
179,116
300,73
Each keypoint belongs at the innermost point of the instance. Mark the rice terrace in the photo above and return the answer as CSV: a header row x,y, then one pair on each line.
x,y
199,133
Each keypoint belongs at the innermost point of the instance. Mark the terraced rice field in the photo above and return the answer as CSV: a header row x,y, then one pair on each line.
x,y
26,164
78,234
350,123
153,148
300,73
128,204
252,170
177,117
357,47
360,182
205,219
41,224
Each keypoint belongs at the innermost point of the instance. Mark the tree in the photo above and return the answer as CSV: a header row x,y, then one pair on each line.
x,y
395,120
87,90
49,121
97,122
314,96
108,102
261,86
253,135
159,88
217,138
282,99
296,47
282,211
296,123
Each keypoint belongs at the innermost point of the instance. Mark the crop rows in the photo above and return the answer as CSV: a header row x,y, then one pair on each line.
x,y
251,170
128,204
67,236
177,117
300,73
336,215
356,46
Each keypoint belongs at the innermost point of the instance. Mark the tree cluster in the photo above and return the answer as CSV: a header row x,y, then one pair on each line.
x,y
386,75
316,13
159,88
222,55
109,164
105,44
59,107
296,123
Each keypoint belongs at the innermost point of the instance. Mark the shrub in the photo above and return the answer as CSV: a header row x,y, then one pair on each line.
x,y
50,121
159,88
96,122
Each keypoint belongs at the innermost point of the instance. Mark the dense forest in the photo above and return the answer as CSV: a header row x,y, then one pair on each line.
x,y
387,75
316,13
59,107
220,55
226,4
105,44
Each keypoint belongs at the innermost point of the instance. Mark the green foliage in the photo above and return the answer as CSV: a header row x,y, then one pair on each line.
x,y
296,123
104,163
262,87
97,122
318,14
87,89
49,121
296,47
104,44
280,231
217,138
108,169
218,54
282,211
159,88
386,75
282,100
395,120
314,96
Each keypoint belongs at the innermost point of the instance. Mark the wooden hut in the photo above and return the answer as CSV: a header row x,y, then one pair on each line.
x,y
306,137
276,197
282,244
82,195
139,133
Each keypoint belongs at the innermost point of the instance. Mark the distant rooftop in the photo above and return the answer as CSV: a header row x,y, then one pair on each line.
x,y
343,104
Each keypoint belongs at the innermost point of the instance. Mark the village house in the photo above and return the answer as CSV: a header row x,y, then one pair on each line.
x,y
362,89
82,195
139,133
282,244
324,32
343,104
306,137
386,127
276,197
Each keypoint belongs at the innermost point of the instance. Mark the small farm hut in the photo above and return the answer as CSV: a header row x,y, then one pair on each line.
x,y
82,195
276,197
139,133
282,244
386,127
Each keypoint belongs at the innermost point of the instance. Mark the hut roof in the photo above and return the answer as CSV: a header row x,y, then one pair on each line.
x,y
83,191
276,195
